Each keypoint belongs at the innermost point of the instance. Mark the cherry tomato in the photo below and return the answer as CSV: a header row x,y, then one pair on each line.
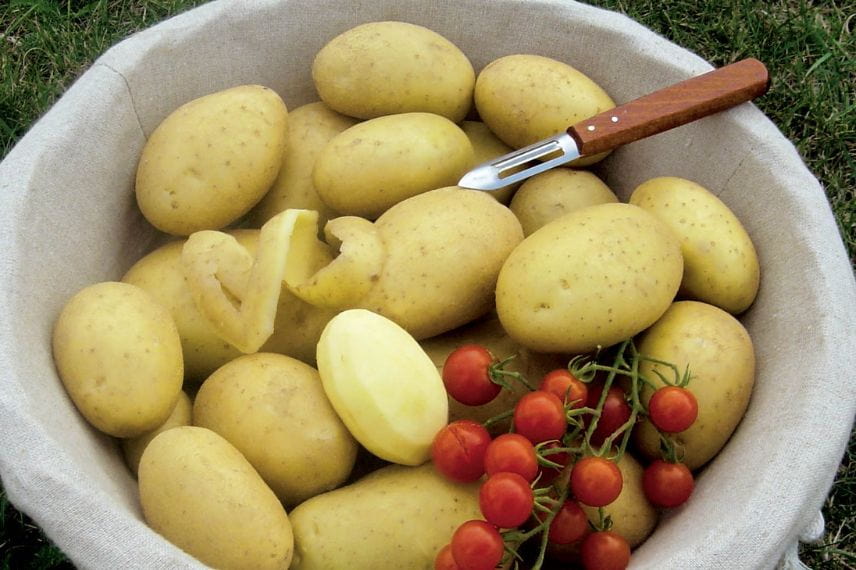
x,y
605,550
614,414
540,416
445,560
566,386
511,452
672,409
596,481
477,545
506,500
569,525
466,375
458,450
667,485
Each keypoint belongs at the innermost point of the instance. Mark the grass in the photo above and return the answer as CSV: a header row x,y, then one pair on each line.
x,y
808,47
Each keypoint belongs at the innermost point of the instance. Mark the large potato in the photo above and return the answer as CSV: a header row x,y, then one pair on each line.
x,y
199,493
591,278
212,159
374,165
395,518
310,128
721,360
526,98
384,68
181,415
720,263
118,355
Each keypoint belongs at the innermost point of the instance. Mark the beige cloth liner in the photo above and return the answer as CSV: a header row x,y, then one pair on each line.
x,y
68,219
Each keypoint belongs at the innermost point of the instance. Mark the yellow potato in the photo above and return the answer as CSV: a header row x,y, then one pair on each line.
x,y
395,518
372,166
272,408
310,128
554,193
181,415
212,159
591,278
721,360
486,146
382,385
526,98
384,68
118,355
720,263
199,492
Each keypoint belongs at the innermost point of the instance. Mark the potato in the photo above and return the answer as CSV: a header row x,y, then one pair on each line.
x,y
273,409
374,165
591,278
526,98
384,68
720,263
554,193
382,385
721,360
132,448
486,146
118,355
199,492
212,159
395,518
310,128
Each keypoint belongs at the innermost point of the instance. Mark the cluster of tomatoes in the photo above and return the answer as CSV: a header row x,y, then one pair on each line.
x,y
559,458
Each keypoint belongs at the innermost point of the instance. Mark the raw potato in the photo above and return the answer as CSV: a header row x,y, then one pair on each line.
x,y
273,409
486,146
527,98
720,263
199,492
591,278
372,166
118,355
212,159
554,193
310,128
395,518
721,360
181,415
382,385
384,68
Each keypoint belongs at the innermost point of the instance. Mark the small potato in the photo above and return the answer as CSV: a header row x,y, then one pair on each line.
x,y
720,263
118,355
384,68
591,278
372,166
396,518
273,409
212,159
554,193
181,415
721,360
199,492
310,128
487,146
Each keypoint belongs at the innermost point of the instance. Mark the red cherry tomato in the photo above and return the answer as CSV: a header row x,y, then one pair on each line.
x,y
596,481
445,560
506,500
458,450
549,474
566,386
605,550
667,485
569,525
477,545
514,453
540,416
466,375
672,409
614,414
